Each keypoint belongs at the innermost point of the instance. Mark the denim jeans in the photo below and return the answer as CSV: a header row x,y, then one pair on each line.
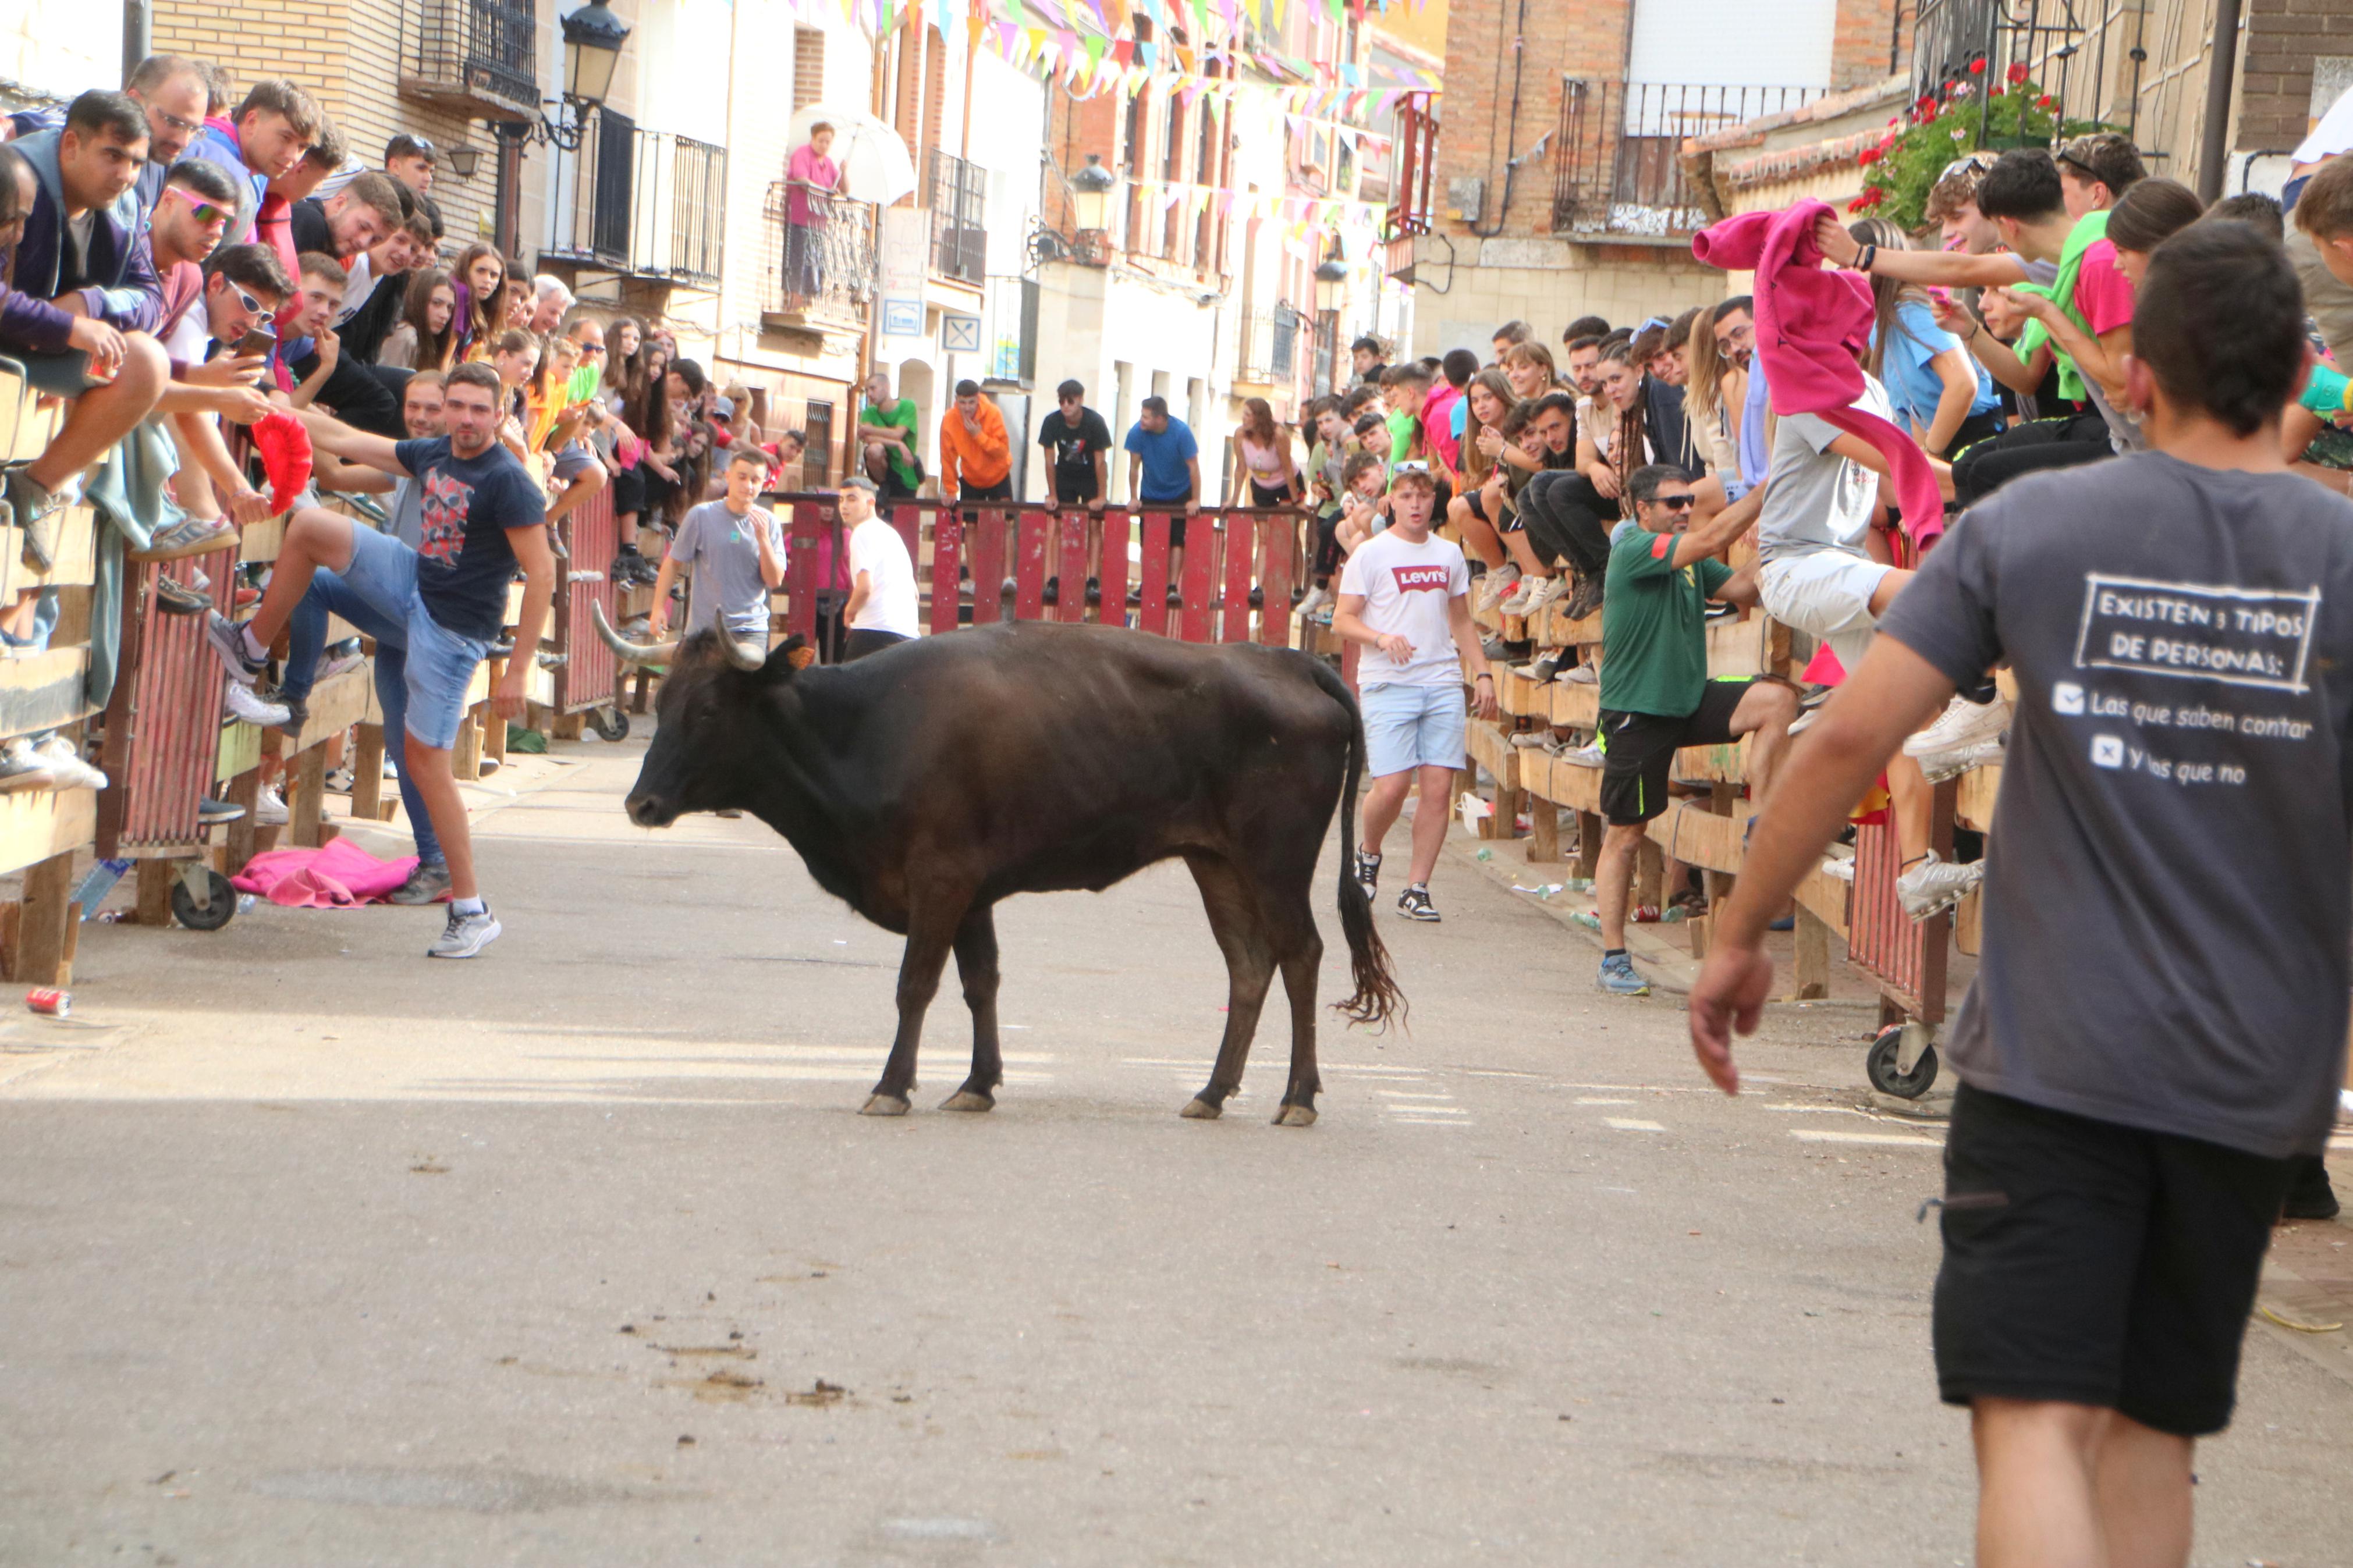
x,y
306,637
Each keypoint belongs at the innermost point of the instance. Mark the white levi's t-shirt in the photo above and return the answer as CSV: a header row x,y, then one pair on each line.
x,y
876,548
1407,589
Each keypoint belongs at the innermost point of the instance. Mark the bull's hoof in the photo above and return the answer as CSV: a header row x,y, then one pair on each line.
x,y
1295,1116
967,1099
1199,1109
883,1105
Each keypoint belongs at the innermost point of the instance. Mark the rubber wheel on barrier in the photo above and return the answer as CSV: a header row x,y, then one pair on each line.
x,y
1884,1076
610,723
214,914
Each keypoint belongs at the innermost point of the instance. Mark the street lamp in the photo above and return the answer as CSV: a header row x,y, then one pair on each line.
x,y
593,38
463,159
1091,190
1330,283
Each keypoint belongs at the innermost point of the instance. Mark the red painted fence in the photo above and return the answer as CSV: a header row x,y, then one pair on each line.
x,y
164,723
589,675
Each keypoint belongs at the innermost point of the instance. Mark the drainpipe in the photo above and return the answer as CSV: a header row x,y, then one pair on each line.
x,y
138,35
2221,65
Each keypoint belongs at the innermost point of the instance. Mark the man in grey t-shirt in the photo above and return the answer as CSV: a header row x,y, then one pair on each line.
x,y
735,554
2157,1028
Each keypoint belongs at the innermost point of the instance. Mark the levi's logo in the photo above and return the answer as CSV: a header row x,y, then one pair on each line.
x,y
1425,579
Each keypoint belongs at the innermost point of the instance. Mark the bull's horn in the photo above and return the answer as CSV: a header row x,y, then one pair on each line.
x,y
634,652
744,654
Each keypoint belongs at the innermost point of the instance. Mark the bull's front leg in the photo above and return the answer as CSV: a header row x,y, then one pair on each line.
x,y
976,957
931,927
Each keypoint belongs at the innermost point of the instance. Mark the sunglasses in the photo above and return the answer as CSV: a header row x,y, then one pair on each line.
x,y
1975,163
1410,465
205,211
248,301
1676,504
409,146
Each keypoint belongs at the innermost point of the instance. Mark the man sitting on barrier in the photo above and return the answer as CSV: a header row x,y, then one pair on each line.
x,y
1656,696
76,311
734,551
1406,596
482,517
425,417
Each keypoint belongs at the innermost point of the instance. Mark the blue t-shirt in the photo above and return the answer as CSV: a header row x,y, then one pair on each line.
x,y
1165,477
1755,451
464,560
1912,383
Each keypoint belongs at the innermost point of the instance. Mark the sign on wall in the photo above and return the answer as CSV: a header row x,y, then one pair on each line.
x,y
959,334
906,243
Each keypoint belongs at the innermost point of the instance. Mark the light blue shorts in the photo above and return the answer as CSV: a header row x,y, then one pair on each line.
x,y
441,663
1412,727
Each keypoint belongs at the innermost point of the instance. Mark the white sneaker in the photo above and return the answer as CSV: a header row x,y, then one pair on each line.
x,y
1312,603
247,704
1516,602
1838,868
1580,675
65,763
269,809
463,936
1798,725
1547,589
1934,886
1953,764
1962,724
1588,756
1498,586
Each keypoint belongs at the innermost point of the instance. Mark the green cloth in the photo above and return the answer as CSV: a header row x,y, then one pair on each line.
x,y
1403,430
2325,393
1654,626
2089,228
900,415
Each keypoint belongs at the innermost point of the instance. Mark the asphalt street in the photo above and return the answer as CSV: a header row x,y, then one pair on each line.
x,y
314,1252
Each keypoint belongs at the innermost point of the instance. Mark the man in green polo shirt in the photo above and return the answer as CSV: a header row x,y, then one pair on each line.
x,y
1655,693
886,435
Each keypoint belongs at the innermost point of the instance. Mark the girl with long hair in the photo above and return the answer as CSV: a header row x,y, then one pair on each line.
x,y
1940,391
480,272
1487,401
1262,456
1708,395
426,337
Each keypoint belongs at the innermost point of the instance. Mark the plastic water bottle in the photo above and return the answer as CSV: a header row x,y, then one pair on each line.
x,y
100,881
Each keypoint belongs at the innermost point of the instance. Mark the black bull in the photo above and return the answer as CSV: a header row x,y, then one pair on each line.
x,y
927,783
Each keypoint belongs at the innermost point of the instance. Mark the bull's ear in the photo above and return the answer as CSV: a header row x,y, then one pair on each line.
x,y
791,655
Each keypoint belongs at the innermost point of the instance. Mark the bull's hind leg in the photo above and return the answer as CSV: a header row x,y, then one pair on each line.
x,y
1249,969
1301,949
976,957
931,927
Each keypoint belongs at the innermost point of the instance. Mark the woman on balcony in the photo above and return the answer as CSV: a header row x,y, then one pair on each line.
x,y
812,179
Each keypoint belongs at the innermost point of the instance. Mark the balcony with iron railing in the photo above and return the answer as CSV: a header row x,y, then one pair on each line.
x,y
957,194
646,203
1617,172
816,259
2090,59
475,58
1269,347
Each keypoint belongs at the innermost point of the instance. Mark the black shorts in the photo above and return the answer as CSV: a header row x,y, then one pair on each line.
x,y
2097,1264
629,491
1639,749
1074,488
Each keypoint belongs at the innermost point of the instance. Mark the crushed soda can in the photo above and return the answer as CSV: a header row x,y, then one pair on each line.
x,y
49,1002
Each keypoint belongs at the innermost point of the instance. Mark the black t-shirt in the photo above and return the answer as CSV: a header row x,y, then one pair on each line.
x,y
465,561
1074,449
306,220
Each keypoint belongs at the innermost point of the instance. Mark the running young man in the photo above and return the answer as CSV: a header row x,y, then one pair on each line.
x,y
1655,693
483,518
1406,596
734,551
2151,1036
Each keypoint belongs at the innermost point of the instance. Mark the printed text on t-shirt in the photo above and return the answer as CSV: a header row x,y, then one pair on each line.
x,y
1421,579
2238,637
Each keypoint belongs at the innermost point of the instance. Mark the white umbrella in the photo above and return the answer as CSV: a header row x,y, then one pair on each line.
x,y
873,159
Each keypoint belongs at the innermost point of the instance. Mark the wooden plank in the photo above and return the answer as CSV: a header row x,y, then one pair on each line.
x,y
76,555
1973,801
336,704
1241,555
1152,594
1493,751
1202,537
1695,836
1519,696
1968,924
46,691
947,559
1827,898
306,794
1713,765
1112,568
1544,831
263,540
1555,629
1071,601
1573,706
44,929
1737,647
367,771
1277,546
1813,965
155,892
38,824
1029,566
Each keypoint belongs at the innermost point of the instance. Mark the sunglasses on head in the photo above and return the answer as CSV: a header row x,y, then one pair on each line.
x,y
1410,465
410,146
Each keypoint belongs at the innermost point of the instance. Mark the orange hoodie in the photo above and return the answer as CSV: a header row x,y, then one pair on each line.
x,y
969,459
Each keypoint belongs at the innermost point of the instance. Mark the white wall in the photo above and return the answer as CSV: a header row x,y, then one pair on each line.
x,y
62,47
684,50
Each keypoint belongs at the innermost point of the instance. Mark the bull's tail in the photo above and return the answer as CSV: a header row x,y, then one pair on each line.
x,y
1377,999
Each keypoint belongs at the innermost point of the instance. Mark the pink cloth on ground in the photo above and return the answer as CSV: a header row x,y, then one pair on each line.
x,y
1810,325
341,876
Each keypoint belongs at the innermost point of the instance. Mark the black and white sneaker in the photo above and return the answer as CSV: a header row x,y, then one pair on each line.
x,y
465,935
227,638
429,884
1414,904
1368,873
